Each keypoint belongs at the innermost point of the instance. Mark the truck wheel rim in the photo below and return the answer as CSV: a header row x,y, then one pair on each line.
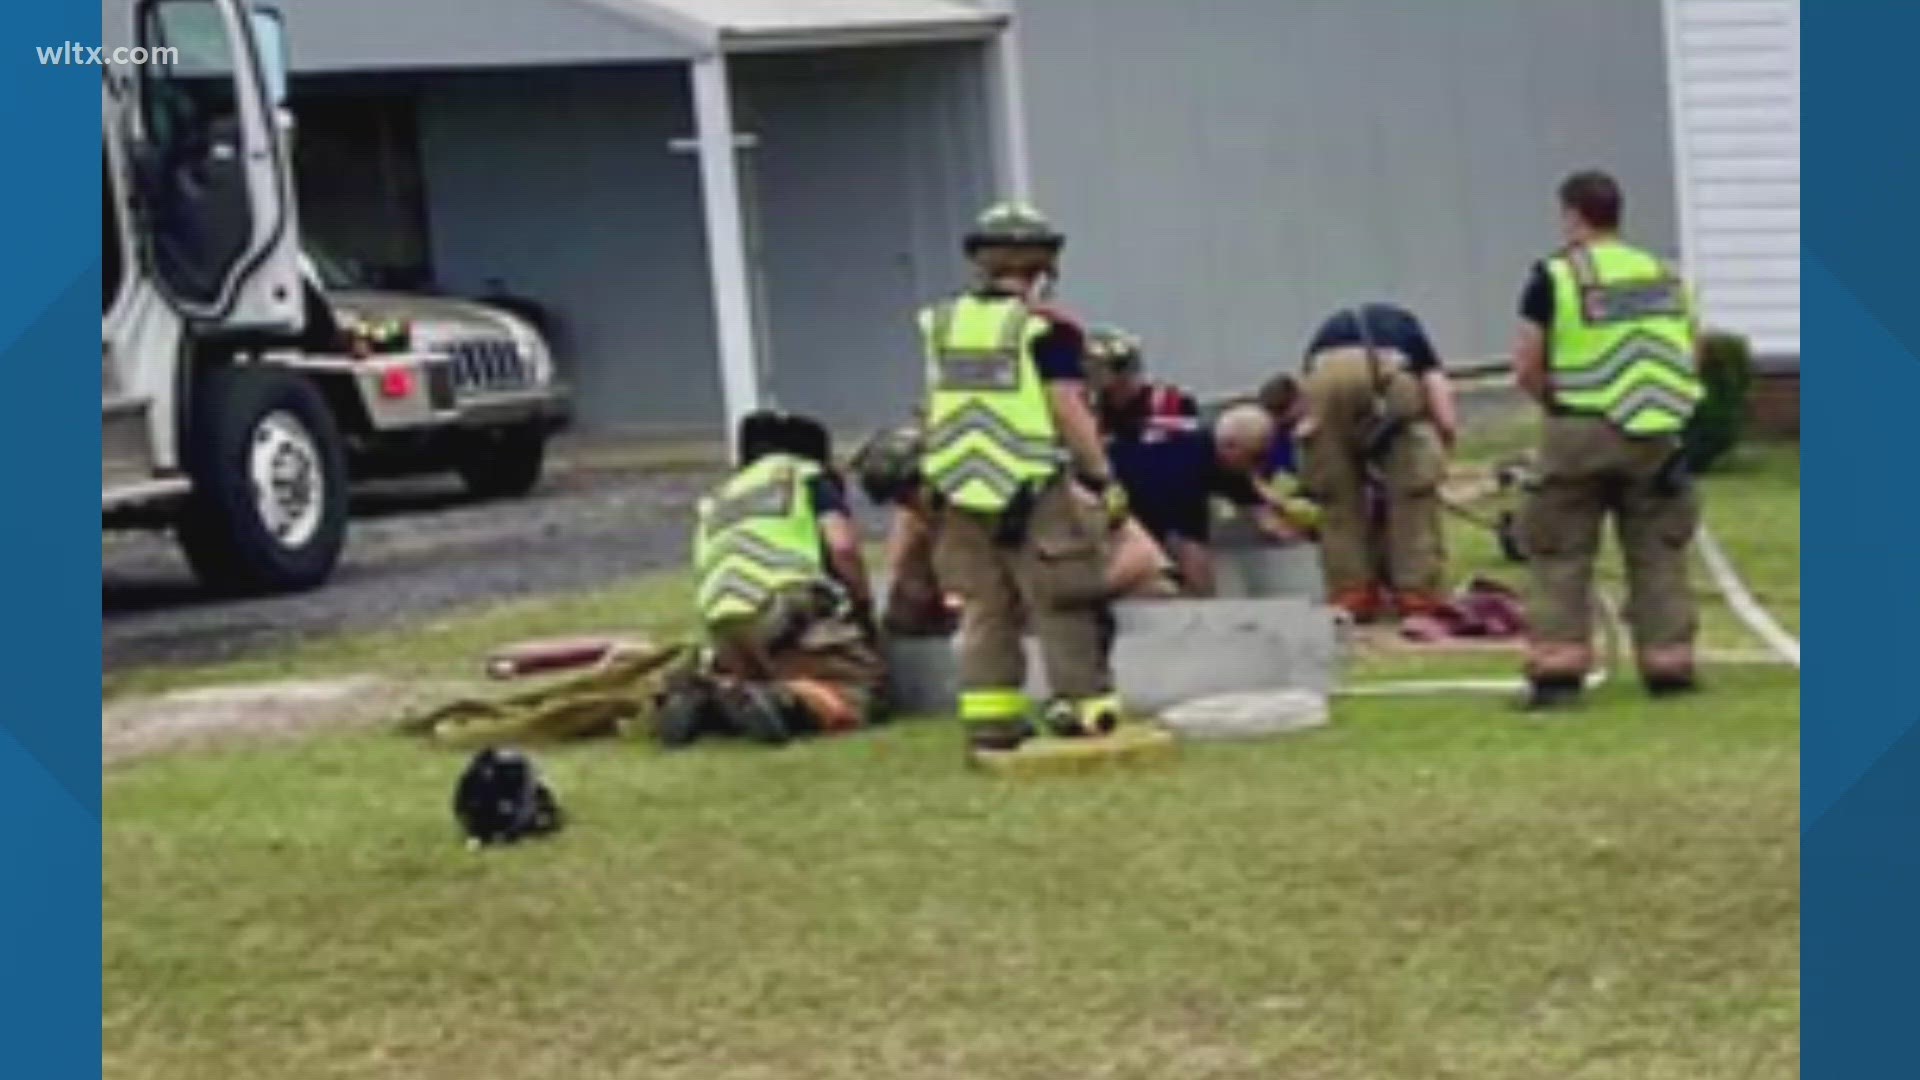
x,y
288,488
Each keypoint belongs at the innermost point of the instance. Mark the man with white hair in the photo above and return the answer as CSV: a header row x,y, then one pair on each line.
x,y
1171,485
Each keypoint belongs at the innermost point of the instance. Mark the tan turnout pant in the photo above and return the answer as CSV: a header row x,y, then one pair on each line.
x,y
1339,397
1053,581
1591,471
829,665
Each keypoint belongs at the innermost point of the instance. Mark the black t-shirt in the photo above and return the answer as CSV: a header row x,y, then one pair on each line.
x,y
827,496
1170,483
1536,300
1057,352
1392,328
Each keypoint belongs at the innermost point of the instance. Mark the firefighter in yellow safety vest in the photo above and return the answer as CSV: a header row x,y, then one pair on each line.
x,y
1607,346
783,598
1022,488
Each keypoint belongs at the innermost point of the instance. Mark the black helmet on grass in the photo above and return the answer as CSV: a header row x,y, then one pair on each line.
x,y
501,798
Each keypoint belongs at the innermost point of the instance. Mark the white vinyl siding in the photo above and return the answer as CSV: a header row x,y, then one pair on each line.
x,y
1734,82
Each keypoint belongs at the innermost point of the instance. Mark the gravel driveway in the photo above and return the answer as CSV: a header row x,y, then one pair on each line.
x,y
416,548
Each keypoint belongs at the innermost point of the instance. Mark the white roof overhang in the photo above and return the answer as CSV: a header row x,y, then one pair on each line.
x,y
741,26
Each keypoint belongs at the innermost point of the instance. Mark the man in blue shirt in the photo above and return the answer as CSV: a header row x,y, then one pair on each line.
x,y
1171,484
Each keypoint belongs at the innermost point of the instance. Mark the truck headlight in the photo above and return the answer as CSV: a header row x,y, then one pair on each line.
x,y
539,358
370,337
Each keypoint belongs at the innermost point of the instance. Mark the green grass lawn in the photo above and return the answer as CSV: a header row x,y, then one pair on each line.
x,y
1426,888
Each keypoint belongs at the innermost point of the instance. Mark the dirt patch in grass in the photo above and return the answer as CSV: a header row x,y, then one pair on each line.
x,y
220,715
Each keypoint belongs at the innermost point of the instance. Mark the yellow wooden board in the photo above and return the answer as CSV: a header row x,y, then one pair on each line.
x,y
1132,746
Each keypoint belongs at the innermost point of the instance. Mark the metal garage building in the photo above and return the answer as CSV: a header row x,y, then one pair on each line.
x,y
574,150
1228,170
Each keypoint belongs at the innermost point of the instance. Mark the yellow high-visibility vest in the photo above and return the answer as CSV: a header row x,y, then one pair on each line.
x,y
757,535
990,428
1622,343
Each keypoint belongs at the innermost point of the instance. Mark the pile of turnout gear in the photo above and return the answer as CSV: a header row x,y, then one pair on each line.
x,y
664,694
1482,608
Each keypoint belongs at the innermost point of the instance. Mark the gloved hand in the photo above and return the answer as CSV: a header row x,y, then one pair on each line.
x,y
1113,500
1306,514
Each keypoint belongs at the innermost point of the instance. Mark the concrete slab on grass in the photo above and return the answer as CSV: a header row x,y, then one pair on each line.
x,y
924,674
1167,652
1170,651
1247,565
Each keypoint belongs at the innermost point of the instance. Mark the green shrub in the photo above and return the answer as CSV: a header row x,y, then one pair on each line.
x,y
1720,422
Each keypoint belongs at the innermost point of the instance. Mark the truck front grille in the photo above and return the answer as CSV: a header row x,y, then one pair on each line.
x,y
489,364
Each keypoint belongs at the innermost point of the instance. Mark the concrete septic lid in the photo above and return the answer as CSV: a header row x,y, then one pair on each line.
x,y
1255,714
1245,566
1167,652
1267,630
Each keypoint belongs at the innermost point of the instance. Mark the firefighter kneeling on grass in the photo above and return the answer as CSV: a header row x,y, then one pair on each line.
x,y
1018,537
783,597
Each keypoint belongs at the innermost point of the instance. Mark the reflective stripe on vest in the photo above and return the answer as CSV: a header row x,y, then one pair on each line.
x,y
758,534
989,426
1622,340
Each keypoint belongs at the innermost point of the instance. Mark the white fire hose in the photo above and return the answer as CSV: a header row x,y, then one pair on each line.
x,y
1756,618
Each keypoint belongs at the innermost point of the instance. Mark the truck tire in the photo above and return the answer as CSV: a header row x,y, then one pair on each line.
x,y
269,507
507,465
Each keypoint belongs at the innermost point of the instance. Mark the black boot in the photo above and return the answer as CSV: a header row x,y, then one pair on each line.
x,y
755,711
1552,693
1670,685
998,735
689,711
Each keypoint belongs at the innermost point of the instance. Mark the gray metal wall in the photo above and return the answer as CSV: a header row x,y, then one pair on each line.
x,y
1232,170
870,164
562,184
